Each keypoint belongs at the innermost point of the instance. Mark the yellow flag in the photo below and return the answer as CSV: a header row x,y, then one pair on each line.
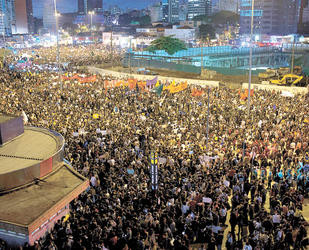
x,y
66,217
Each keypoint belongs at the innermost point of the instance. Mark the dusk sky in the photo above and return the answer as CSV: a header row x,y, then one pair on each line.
x,y
66,6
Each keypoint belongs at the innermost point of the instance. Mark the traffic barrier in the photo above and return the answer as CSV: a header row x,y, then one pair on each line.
x,y
270,87
202,83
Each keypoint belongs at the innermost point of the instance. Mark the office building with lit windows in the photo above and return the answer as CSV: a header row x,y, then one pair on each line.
x,y
173,11
271,17
7,18
198,8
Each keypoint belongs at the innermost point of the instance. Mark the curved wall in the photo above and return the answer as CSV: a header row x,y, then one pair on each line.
x,y
23,176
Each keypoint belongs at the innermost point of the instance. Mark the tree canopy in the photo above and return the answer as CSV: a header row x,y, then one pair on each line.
x,y
206,31
224,17
203,18
144,20
167,43
221,17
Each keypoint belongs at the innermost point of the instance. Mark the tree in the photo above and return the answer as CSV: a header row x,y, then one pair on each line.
x,y
225,17
206,30
70,28
124,19
203,18
167,43
144,20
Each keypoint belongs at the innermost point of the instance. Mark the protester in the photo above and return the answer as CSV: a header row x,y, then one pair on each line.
x,y
111,132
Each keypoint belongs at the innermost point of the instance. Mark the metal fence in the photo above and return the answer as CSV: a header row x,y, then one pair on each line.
x,y
180,66
223,50
160,64
226,60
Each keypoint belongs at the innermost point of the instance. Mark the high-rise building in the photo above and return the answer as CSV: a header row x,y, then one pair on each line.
x,y
214,6
228,5
198,8
225,5
82,6
156,12
173,11
271,17
24,17
306,15
30,20
183,12
115,10
8,17
165,10
95,5
49,18
304,12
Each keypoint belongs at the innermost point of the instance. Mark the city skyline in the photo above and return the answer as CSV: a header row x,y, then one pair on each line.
x,y
70,6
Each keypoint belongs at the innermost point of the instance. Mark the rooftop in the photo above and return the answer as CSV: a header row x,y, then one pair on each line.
x,y
24,206
4,118
33,146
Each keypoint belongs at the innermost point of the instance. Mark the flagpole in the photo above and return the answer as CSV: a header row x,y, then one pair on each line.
x,y
250,58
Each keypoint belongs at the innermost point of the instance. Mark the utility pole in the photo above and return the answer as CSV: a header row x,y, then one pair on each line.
x,y
207,129
112,46
4,42
293,54
91,29
130,55
250,59
58,52
202,60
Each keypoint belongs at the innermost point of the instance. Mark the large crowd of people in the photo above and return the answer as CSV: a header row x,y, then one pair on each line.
x,y
45,58
242,187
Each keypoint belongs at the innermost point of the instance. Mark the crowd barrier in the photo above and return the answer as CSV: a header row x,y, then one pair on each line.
x,y
202,83
270,87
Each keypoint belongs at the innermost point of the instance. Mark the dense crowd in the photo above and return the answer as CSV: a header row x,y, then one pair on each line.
x,y
45,59
241,188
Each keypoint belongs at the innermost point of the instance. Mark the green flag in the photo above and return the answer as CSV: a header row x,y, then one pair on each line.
x,y
159,89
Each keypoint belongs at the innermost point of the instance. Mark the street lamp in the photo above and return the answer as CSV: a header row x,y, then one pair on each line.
x,y
207,129
58,52
91,13
250,58
2,16
4,43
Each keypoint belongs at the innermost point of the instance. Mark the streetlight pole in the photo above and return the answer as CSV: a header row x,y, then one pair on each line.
x,y
4,43
202,60
207,131
111,51
91,14
293,54
130,55
250,58
58,52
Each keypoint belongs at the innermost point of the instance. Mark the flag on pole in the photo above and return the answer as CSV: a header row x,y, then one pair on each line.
x,y
159,89
152,82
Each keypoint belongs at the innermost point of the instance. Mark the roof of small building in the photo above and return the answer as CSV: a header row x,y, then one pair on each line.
x,y
39,200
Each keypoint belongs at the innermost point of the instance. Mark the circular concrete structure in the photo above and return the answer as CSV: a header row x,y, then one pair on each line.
x,y
29,157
